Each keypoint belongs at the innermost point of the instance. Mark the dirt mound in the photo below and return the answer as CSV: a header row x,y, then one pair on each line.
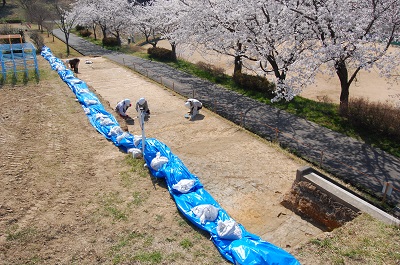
x,y
308,201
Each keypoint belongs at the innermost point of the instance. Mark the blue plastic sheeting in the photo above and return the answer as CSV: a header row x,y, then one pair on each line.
x,y
248,250
103,121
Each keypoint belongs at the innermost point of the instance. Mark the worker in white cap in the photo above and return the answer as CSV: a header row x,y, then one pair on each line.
x,y
122,107
194,106
141,105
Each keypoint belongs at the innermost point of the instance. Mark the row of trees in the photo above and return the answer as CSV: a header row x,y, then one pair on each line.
x,y
288,40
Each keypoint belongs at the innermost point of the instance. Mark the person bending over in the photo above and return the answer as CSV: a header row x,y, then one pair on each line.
x,y
141,104
194,106
122,107
74,64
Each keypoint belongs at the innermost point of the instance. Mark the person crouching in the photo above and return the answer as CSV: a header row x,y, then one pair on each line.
x,y
141,105
122,107
74,64
194,106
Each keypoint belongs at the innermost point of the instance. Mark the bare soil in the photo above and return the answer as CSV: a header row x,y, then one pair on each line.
x,y
69,196
306,199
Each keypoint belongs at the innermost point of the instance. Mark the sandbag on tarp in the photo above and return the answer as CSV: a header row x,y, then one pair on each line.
x,y
249,249
174,170
97,115
186,202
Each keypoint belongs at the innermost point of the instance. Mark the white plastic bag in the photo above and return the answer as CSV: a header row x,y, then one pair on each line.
x,y
229,229
136,152
90,102
86,110
206,212
184,185
122,136
137,139
116,130
158,161
101,116
106,121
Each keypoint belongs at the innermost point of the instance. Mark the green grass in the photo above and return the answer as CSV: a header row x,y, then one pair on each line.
x,y
12,11
20,78
186,243
137,166
112,204
362,241
154,257
23,235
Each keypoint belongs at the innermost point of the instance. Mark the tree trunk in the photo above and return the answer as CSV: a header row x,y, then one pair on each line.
x,y
342,73
173,55
4,3
94,31
238,59
67,42
104,31
238,64
118,37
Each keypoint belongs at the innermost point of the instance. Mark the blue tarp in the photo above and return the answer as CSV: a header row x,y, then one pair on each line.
x,y
248,250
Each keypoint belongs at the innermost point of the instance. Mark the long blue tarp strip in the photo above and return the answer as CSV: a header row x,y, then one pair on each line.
x,y
250,249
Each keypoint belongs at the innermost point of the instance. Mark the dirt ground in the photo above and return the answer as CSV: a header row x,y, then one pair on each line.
x,y
69,196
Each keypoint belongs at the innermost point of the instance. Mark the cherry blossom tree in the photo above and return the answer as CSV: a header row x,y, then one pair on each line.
x,y
66,18
216,25
89,15
293,38
168,17
144,22
117,14
94,13
280,40
265,32
352,35
289,39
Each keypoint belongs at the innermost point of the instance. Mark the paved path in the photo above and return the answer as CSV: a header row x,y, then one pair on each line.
x,y
348,159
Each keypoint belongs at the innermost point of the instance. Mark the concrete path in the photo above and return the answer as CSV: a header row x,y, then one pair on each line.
x,y
350,160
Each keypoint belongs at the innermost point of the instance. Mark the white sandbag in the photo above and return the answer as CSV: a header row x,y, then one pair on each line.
x,y
101,116
75,81
83,91
136,152
137,139
229,229
206,212
90,102
122,136
106,121
59,67
158,161
86,110
184,185
116,130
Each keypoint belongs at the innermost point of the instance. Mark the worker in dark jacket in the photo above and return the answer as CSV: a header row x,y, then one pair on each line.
x,y
141,105
74,64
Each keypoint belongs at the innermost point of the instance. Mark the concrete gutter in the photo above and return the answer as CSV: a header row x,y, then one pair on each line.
x,y
343,196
